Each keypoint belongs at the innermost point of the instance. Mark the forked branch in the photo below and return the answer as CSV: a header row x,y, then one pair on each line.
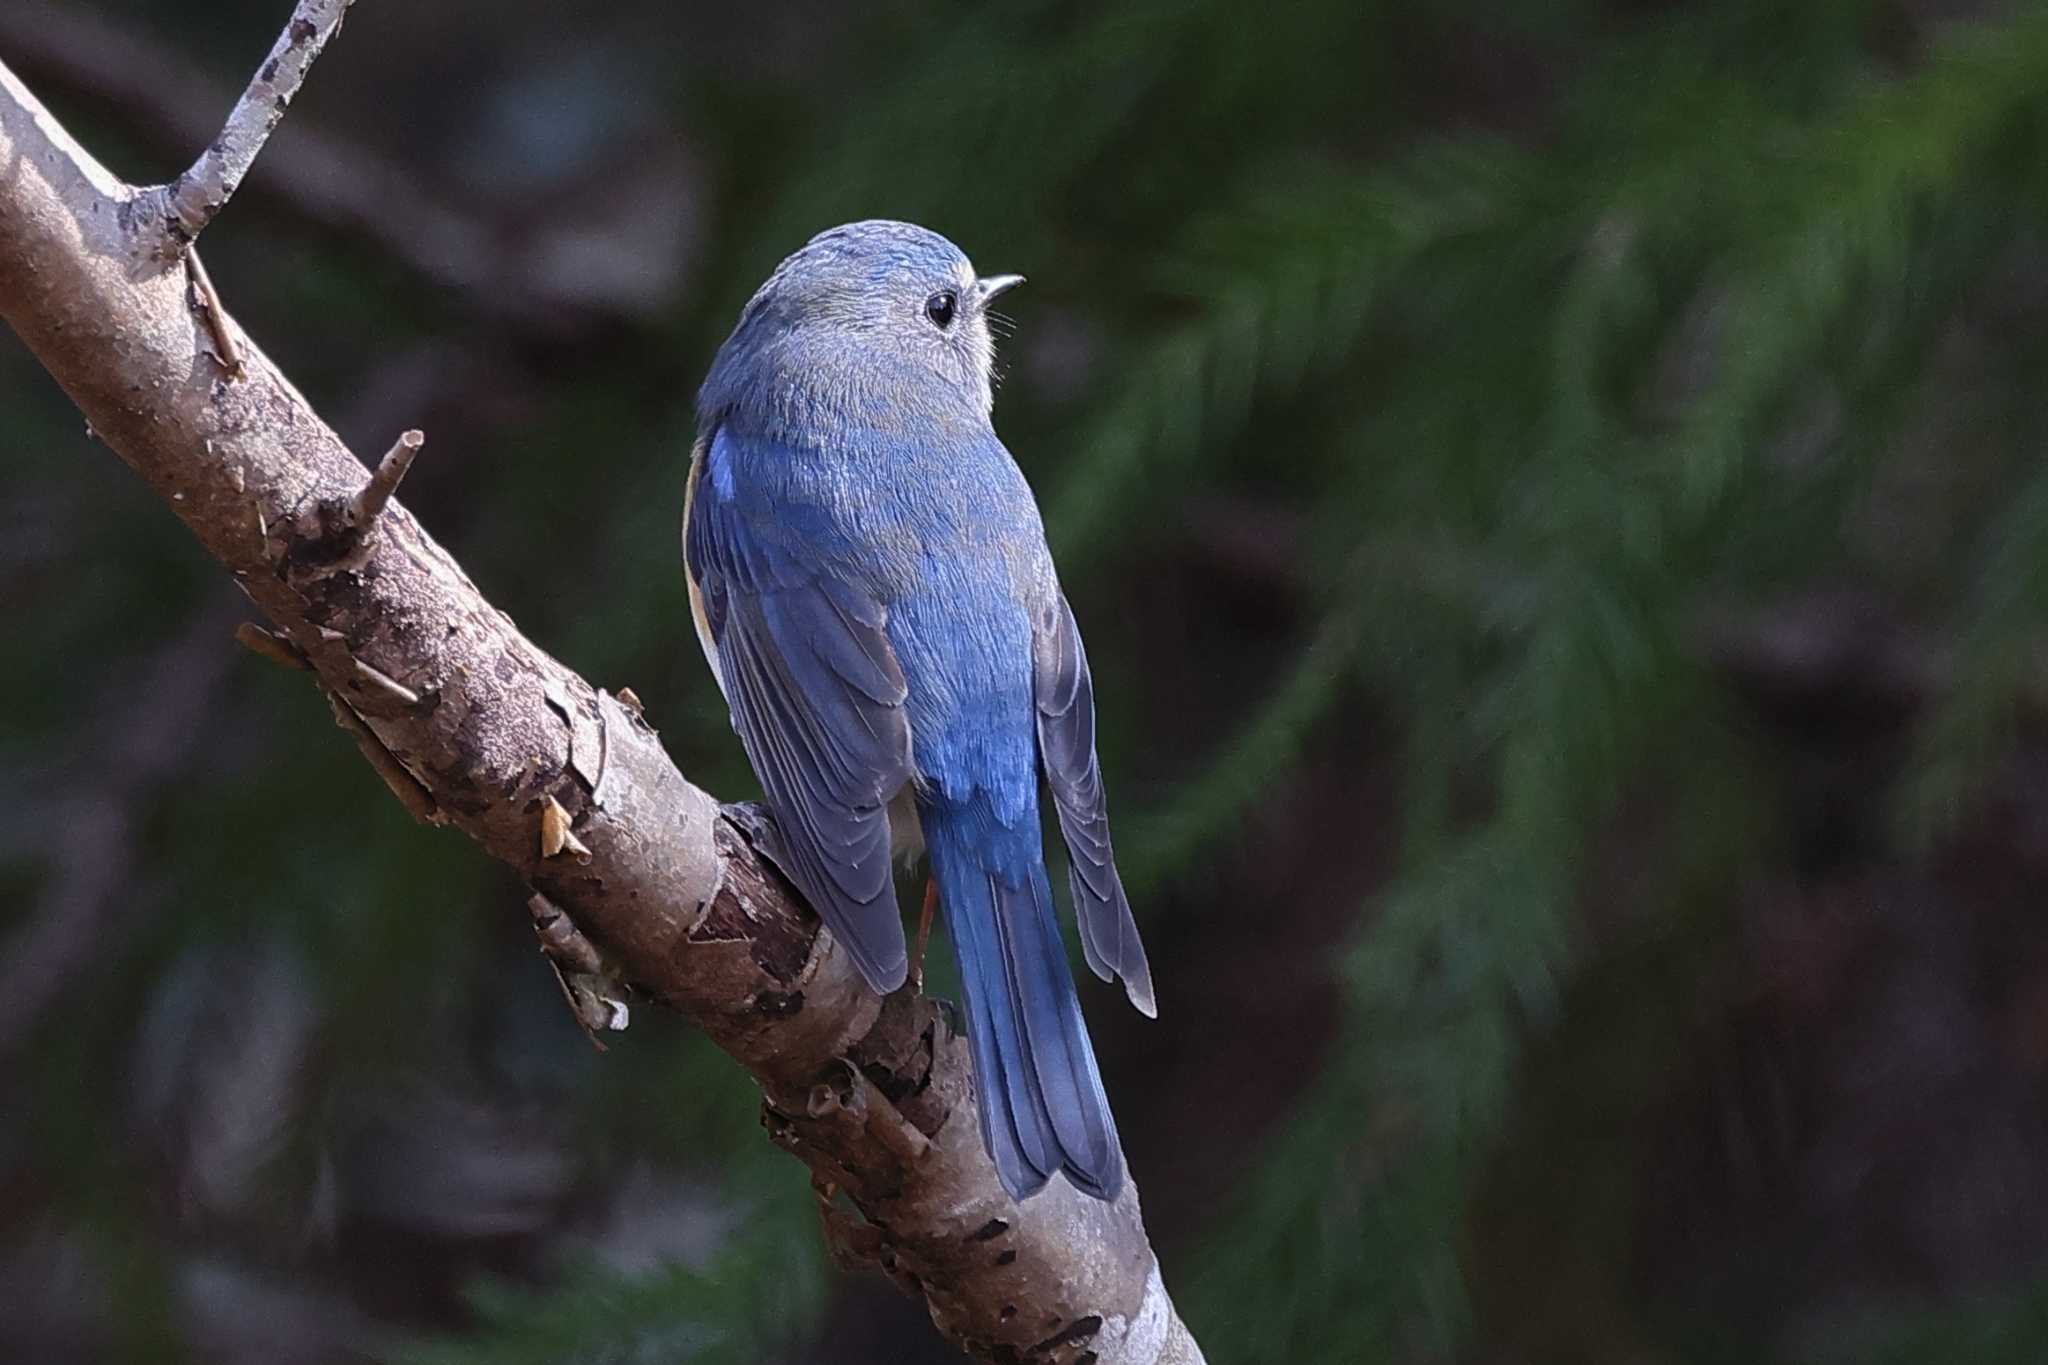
x,y
190,202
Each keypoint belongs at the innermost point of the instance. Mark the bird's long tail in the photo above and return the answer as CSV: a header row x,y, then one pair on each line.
x,y
1042,1105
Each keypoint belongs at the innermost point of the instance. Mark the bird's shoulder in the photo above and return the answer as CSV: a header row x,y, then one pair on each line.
x,y
898,488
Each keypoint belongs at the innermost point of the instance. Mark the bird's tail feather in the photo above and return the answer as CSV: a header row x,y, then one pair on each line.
x,y
1042,1104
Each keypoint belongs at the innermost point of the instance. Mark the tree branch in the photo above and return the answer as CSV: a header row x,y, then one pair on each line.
x,y
441,689
189,203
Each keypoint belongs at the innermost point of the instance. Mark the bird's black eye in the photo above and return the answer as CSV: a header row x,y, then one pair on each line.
x,y
939,308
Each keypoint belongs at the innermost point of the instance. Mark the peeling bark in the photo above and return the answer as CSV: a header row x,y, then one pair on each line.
x,y
473,725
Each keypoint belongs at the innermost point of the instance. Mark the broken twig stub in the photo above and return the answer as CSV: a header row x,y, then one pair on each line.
x,y
384,479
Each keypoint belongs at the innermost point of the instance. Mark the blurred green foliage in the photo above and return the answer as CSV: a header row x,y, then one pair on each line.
x,y
1547,339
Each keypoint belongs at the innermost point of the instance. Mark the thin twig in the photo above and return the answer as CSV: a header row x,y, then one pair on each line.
x,y
208,303
499,267
326,179
559,937
417,800
385,684
384,480
191,201
275,648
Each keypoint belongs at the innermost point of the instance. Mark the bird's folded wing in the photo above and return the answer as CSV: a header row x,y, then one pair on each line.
x,y
817,700
1066,743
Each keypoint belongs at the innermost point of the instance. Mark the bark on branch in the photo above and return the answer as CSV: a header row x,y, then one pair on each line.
x,y
473,725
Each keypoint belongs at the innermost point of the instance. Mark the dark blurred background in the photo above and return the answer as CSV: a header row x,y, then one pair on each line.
x,y
1555,496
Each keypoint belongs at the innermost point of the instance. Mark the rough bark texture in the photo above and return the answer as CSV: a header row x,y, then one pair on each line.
x,y
475,726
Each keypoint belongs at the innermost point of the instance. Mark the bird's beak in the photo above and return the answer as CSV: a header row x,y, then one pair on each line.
x,y
989,287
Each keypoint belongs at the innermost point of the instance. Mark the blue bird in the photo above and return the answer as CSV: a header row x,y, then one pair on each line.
x,y
873,591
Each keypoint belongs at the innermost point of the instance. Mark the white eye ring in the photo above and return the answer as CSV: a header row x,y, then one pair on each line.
x,y
940,307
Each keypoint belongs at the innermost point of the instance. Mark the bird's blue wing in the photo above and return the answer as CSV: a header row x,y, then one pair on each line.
x,y
817,699
1065,694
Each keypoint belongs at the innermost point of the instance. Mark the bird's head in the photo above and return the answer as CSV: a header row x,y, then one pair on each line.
x,y
891,302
